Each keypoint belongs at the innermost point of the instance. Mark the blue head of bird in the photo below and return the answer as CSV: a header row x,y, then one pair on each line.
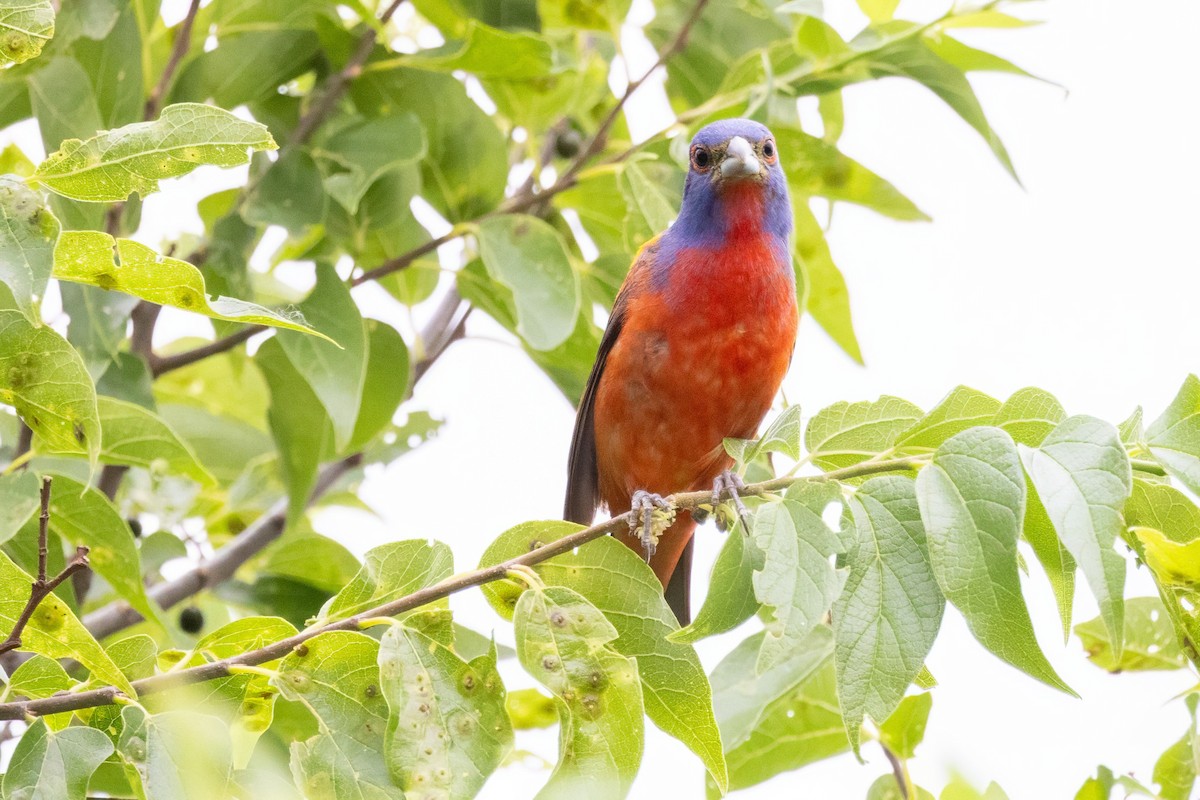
x,y
734,178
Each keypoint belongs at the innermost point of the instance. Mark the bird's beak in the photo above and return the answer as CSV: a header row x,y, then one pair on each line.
x,y
739,161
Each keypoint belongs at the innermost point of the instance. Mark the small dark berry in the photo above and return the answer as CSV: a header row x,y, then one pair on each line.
x,y
567,143
191,620
135,525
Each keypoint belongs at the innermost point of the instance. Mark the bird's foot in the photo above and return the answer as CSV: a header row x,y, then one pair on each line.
x,y
652,515
729,483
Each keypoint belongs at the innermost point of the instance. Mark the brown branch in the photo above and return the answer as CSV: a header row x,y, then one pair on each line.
x,y
600,137
445,588
162,364
183,41
266,529
902,779
42,587
337,83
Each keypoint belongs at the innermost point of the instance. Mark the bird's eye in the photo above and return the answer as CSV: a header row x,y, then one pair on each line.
x,y
768,151
701,159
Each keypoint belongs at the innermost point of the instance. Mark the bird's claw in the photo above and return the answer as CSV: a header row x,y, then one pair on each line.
x,y
652,515
729,483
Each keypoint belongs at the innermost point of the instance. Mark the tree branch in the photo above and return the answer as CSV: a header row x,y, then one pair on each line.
x,y
183,41
338,82
119,615
41,586
445,588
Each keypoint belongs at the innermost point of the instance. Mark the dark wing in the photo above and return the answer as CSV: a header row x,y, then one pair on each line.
x,y
583,475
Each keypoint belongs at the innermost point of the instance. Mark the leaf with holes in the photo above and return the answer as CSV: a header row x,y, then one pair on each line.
x,y
111,165
28,231
87,257
566,643
44,378
447,728
53,631
1149,640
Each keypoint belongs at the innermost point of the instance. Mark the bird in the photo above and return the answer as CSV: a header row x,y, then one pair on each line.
x,y
697,345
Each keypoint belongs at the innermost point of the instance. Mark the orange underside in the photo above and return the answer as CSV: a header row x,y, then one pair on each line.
x,y
698,359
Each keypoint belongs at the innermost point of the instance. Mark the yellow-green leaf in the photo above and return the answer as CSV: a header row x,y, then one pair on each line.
x,y
111,165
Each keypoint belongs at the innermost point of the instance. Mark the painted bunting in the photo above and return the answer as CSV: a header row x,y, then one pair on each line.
x,y
699,340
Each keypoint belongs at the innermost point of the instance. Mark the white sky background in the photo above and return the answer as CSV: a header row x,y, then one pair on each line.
x,y
1085,283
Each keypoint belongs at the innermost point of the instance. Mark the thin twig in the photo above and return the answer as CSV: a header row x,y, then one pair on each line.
x,y
183,41
41,587
449,586
898,769
337,83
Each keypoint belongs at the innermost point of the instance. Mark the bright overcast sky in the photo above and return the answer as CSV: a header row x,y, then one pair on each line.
x,y
1084,283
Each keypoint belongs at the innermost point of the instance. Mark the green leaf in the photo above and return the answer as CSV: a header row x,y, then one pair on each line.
x,y
879,10
781,719
1029,415
730,600
313,559
84,516
285,195
28,230
528,256
359,154
1082,475
54,766
782,436
447,728
1174,438
796,582
487,52
972,500
963,408
612,577
135,437
301,428
1149,640
459,187
828,300
816,167
111,165
25,28
529,708
87,257
97,328
45,380
385,384
336,676
905,728
566,643
1052,554
845,434
335,371
391,571
1173,563
37,678
19,498
53,631
650,204
177,754
1176,769
235,72
888,615
912,59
